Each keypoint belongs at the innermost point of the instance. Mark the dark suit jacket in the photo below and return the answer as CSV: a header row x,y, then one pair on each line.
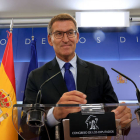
x,y
92,80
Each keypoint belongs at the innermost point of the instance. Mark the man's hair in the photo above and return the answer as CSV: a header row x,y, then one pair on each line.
x,y
61,17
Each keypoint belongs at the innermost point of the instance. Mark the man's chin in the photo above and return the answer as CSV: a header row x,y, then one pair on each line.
x,y
68,55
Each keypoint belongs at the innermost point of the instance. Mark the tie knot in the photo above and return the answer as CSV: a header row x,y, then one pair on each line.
x,y
67,66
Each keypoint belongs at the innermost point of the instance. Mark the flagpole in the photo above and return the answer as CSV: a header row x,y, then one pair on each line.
x,y
11,26
32,37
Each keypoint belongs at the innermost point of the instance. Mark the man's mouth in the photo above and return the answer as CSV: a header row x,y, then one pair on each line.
x,y
66,45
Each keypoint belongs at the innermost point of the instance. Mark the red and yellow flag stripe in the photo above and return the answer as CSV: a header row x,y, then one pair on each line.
x,y
7,93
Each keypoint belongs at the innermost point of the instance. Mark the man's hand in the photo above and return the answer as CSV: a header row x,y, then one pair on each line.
x,y
72,97
124,114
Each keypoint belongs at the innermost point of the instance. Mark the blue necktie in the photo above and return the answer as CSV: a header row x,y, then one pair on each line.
x,y
68,77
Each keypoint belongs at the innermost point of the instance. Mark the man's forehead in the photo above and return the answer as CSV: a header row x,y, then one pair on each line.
x,y
65,25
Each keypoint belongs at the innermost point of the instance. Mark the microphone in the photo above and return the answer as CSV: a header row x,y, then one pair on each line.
x,y
137,90
36,115
39,92
137,111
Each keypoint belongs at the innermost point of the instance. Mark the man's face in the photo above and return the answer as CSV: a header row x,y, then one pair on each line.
x,y
64,47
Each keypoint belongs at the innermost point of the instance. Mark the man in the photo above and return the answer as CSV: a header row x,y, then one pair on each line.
x,y
92,84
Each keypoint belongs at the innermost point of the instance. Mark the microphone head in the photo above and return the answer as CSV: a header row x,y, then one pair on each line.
x,y
137,112
36,117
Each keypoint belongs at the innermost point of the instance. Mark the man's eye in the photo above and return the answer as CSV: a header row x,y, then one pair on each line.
x,y
70,33
58,33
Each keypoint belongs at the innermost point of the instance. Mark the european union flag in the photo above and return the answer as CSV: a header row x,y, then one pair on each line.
x,y
33,62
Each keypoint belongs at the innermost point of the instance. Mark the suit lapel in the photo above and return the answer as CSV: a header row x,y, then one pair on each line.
x,y
58,81
82,75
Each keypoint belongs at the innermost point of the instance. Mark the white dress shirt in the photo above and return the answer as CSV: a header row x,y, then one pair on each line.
x,y
50,117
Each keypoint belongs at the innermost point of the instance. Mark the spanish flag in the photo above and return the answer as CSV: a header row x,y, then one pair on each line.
x,y
7,93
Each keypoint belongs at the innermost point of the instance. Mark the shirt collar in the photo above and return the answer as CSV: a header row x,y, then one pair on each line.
x,y
72,62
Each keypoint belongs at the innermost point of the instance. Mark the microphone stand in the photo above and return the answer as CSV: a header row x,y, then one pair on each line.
x,y
36,115
137,90
137,111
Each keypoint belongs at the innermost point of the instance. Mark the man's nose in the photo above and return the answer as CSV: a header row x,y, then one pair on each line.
x,y
65,37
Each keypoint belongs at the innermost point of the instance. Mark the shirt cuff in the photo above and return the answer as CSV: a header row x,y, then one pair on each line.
x,y
51,121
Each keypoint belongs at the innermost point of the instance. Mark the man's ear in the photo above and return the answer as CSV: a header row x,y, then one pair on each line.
x,y
50,40
77,38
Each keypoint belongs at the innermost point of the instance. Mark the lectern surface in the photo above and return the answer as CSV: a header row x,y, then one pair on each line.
x,y
30,120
